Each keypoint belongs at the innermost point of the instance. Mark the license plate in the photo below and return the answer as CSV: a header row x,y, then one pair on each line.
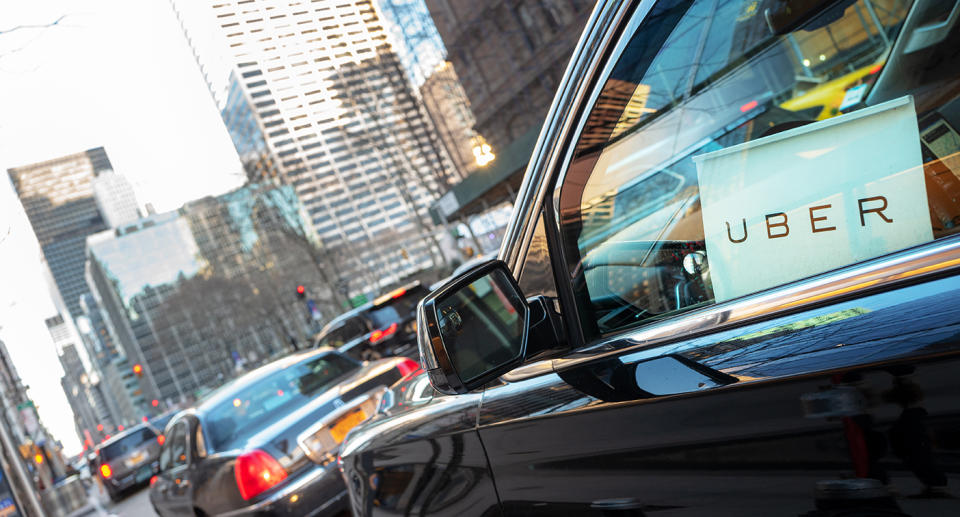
x,y
347,422
134,460
144,474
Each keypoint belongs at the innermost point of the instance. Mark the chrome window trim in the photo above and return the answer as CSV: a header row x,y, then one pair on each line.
x,y
597,38
936,257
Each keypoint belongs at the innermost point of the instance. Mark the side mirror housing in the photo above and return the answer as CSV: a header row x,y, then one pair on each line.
x,y
473,329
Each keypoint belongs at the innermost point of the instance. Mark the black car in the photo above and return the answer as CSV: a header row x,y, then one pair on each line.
x,y
128,460
381,328
266,443
730,286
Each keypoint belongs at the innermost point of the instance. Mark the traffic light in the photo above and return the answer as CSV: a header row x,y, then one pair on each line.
x,y
154,402
138,370
301,292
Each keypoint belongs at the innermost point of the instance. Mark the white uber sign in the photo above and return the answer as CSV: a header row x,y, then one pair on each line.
x,y
813,198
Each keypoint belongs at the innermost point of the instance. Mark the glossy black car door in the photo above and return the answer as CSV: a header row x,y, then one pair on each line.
x,y
814,391
743,422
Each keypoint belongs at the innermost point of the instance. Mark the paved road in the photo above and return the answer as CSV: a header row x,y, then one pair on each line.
x,y
136,504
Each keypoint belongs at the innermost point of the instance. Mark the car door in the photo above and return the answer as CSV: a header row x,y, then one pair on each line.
x,y
751,329
173,485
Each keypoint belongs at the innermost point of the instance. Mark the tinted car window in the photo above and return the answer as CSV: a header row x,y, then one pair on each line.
x,y
343,332
126,444
178,445
260,403
397,309
716,163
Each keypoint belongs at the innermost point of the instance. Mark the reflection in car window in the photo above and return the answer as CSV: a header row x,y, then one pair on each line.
x,y
257,405
697,79
343,332
178,444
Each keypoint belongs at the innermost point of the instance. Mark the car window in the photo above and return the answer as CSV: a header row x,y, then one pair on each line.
x,y
729,152
344,332
178,445
166,455
536,275
127,444
400,307
256,405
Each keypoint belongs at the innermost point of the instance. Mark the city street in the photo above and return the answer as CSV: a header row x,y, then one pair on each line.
x,y
134,504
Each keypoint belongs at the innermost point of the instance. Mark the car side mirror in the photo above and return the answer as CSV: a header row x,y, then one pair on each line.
x,y
473,329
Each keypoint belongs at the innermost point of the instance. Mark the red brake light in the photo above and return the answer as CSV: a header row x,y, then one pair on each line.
x,y
407,366
255,472
153,480
106,471
398,293
379,334
749,106
876,68
161,439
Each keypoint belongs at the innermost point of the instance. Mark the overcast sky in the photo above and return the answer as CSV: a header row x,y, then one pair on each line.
x,y
111,73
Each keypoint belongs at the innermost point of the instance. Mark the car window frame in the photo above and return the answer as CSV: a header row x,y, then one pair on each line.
x,y
187,443
608,32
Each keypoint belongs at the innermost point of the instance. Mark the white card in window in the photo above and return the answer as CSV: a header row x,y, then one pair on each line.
x,y
813,198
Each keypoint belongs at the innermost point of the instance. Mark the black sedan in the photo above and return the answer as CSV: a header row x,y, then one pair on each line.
x,y
266,443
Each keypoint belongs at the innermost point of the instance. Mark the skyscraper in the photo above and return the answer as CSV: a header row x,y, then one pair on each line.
x,y
67,199
58,196
193,295
115,198
314,96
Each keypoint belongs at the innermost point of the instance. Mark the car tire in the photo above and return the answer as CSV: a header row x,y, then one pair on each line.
x,y
114,496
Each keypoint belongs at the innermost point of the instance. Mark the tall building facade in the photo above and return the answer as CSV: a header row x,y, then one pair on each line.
x,y
13,393
414,37
115,198
67,199
315,97
59,200
510,56
196,295
449,109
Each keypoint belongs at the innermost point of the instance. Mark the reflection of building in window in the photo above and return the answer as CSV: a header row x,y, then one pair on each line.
x,y
636,107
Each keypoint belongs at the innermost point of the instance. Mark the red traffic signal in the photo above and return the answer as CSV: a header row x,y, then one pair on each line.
x,y
301,291
155,402
138,370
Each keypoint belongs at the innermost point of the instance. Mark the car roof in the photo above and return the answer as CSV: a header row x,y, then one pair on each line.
x,y
352,313
228,390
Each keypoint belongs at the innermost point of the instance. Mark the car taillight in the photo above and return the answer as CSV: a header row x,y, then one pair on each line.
x,y
398,293
161,439
255,472
407,366
153,479
380,334
106,471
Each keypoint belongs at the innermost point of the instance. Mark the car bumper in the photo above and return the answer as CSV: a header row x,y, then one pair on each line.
x,y
318,492
138,477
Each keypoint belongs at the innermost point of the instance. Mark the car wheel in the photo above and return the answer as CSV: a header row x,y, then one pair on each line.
x,y
114,496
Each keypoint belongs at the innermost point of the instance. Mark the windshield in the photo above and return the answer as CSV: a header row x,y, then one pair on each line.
x,y
255,406
127,444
